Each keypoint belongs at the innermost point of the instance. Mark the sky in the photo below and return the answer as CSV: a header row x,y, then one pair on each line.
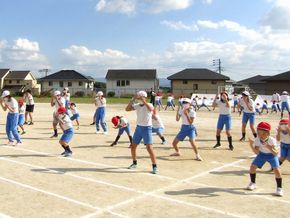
x,y
250,37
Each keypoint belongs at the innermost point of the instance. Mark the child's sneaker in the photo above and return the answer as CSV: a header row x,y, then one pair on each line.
x,y
163,143
54,136
93,123
176,154
251,186
68,154
105,133
279,192
217,145
18,144
98,132
154,170
10,143
113,144
31,123
198,157
231,147
63,153
242,139
132,166
23,132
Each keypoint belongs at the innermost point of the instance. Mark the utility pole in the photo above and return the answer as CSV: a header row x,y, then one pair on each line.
x,y
218,63
45,71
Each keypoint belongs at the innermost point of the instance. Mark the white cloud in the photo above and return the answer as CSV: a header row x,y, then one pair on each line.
x,y
158,6
117,6
207,24
179,25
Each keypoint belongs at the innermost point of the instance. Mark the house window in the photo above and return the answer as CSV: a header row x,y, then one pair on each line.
x,y
50,83
10,81
195,86
118,83
81,83
18,81
123,83
69,84
184,81
213,82
127,82
61,84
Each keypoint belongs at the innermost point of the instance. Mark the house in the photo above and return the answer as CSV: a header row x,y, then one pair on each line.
x,y
278,83
18,81
75,81
197,80
128,81
256,83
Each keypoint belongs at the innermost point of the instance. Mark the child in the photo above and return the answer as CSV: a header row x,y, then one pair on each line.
x,y
276,100
170,102
266,149
204,103
157,126
258,108
187,114
7,102
57,101
158,101
236,101
180,100
101,102
283,135
75,114
284,103
248,114
123,125
28,98
224,118
265,107
274,107
68,132
143,129
66,96
21,118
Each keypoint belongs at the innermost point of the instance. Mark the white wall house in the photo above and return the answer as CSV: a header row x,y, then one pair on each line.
x,y
76,82
128,81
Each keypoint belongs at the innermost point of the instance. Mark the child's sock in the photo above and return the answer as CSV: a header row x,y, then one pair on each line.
x,y
218,140
63,147
130,139
280,162
117,139
162,138
255,135
135,162
230,140
154,165
253,177
68,149
279,182
244,135
55,132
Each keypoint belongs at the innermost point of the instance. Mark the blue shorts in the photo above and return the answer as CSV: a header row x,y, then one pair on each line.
x,y
262,158
158,131
75,116
224,119
285,106
285,150
169,104
21,120
265,107
124,129
143,132
236,103
158,102
274,107
249,117
186,131
67,135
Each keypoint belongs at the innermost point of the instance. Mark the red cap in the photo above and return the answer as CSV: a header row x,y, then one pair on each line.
x,y
115,121
264,126
61,110
20,101
285,121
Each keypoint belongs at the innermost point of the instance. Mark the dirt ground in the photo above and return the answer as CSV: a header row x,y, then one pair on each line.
x,y
36,181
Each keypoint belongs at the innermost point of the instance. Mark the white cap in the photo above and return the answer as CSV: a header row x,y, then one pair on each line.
x,y
142,94
285,93
5,93
65,88
187,100
246,93
100,93
56,93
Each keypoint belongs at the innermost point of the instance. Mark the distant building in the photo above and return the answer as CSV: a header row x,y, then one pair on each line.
x,y
256,83
197,80
128,81
18,81
76,82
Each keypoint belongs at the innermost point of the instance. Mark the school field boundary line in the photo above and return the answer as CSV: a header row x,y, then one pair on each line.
x,y
2,215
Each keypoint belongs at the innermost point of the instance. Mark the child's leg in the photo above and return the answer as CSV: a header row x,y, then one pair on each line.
x,y
151,153
230,139
161,137
26,116
175,146
14,128
133,153
278,177
253,170
103,120
30,116
218,138
253,130
193,145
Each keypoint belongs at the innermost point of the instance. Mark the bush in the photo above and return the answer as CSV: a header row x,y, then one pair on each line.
x,y
79,94
111,94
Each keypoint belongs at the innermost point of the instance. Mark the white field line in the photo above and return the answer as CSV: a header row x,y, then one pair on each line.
x,y
2,215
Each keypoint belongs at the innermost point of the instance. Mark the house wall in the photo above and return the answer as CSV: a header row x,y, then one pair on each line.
x,y
86,87
273,87
204,87
135,85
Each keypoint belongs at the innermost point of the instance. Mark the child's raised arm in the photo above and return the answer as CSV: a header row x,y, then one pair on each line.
x,y
255,149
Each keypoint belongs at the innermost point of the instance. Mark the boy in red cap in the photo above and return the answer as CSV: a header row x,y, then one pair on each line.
x,y
68,132
283,135
266,149
123,125
21,118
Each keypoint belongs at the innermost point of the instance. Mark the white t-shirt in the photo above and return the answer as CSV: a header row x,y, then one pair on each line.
x,y
276,97
284,98
22,110
29,99
262,147
244,105
67,96
169,99
123,122
191,114
157,98
100,103
157,123
235,98
144,116
12,104
224,110
59,103
74,110
285,138
65,119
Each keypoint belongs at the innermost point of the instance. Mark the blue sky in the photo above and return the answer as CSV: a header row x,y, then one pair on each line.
x,y
91,36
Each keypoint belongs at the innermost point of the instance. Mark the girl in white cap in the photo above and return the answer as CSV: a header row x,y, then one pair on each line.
x,y
56,101
143,129
10,104
284,103
249,114
187,114
100,103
